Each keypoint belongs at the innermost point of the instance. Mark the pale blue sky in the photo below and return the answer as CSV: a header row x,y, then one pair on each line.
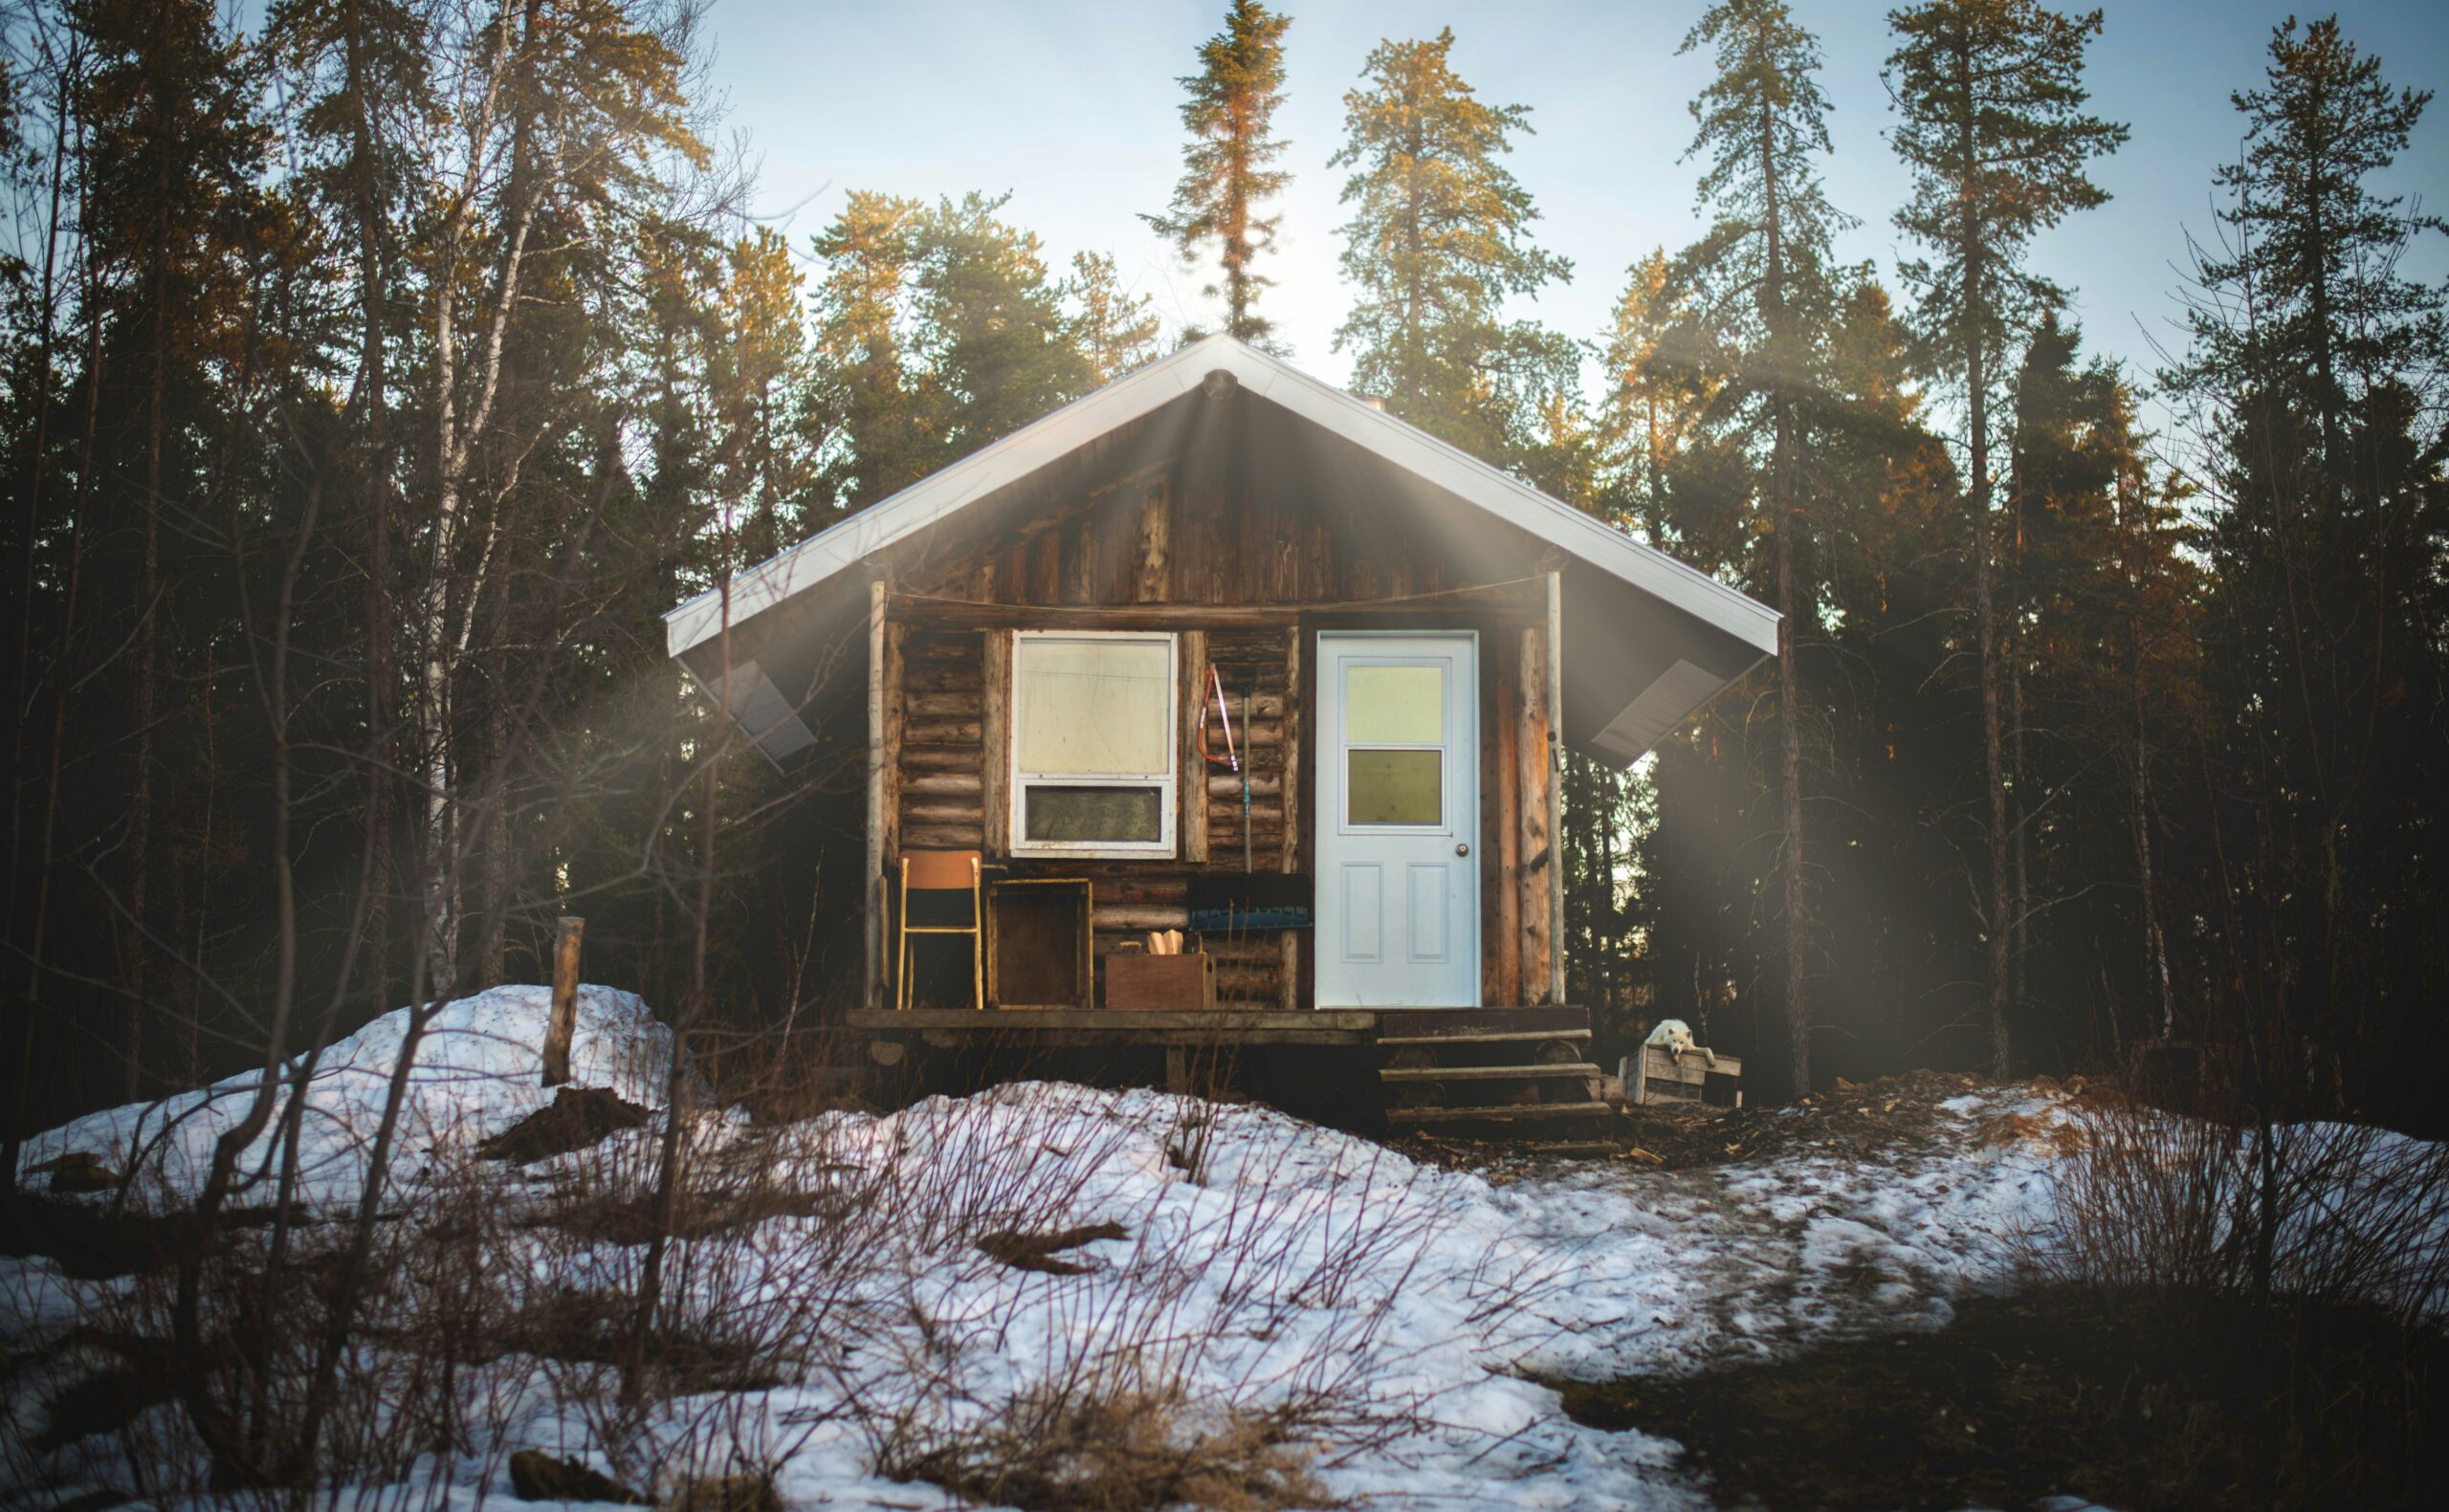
x,y
1072,108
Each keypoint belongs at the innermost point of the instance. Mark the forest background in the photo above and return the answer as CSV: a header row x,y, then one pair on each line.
x,y
379,371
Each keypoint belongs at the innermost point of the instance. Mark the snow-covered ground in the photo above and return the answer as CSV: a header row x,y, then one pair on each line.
x,y
1402,1308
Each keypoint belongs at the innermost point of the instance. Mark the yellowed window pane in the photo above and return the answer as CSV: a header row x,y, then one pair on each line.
x,y
1395,787
1093,707
1396,705
1095,815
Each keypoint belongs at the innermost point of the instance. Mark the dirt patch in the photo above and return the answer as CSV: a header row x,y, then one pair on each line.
x,y
1038,1252
578,1118
2140,1403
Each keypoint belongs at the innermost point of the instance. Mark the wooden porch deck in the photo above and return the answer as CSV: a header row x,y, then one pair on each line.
x,y
945,1027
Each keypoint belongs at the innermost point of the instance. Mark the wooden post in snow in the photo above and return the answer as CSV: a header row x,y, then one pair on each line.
x,y
563,1027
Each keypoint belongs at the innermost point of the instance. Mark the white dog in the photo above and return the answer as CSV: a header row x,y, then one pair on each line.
x,y
1675,1036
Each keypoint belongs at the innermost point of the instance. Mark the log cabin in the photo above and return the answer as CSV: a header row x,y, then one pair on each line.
x,y
1221,648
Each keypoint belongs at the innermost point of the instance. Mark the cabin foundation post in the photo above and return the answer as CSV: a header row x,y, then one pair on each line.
x,y
879,796
995,742
1534,815
1553,756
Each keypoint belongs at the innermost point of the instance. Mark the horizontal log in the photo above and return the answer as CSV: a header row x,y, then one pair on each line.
x,y
956,784
941,814
964,705
931,645
1229,785
942,677
941,837
1142,916
940,732
939,759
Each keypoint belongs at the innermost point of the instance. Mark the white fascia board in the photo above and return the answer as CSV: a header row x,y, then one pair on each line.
x,y
1127,399
1512,500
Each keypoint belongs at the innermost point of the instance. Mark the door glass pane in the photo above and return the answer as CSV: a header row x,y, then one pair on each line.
x,y
1394,705
1094,815
1093,707
1395,787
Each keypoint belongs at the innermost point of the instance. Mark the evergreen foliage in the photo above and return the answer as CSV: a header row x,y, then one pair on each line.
x,y
1990,100
377,378
1439,237
1230,112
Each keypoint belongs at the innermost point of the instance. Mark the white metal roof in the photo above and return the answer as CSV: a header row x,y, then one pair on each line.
x,y
1127,399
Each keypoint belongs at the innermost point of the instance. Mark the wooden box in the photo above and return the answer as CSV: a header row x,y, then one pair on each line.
x,y
1657,1077
1134,981
1038,930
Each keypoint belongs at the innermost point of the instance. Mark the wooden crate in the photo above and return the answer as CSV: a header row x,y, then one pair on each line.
x,y
1134,981
1659,1079
1039,933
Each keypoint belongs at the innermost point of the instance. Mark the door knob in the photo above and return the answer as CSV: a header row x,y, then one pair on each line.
x,y
1462,851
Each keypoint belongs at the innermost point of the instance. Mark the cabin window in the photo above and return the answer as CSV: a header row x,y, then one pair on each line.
x,y
1093,743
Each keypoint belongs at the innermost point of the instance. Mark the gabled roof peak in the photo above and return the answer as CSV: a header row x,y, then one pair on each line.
x,y
1223,361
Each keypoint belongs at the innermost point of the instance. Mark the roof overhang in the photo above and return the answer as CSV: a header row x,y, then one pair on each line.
x,y
1629,605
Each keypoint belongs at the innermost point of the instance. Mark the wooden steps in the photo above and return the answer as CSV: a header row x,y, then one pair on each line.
x,y
1499,1113
1581,1070
1445,1068
1484,1036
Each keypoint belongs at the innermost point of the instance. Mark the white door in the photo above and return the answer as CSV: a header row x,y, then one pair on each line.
x,y
1398,812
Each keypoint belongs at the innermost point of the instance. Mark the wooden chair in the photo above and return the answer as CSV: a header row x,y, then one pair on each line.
x,y
945,871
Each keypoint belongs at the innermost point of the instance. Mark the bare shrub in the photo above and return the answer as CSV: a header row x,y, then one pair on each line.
x,y
2323,1211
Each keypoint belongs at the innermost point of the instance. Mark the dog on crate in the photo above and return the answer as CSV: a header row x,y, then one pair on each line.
x,y
1675,1036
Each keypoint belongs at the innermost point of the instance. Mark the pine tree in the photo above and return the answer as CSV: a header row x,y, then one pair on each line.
x,y
1656,392
1115,329
1762,276
987,324
1990,98
874,414
1227,177
760,380
2314,375
2313,244
1439,235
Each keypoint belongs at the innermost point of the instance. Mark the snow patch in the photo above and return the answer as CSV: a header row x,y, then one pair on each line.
x,y
478,1069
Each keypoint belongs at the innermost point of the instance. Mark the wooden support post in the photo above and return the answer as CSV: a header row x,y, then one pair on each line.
x,y
1193,797
1534,780
1555,759
1177,1068
562,1028
1504,776
1288,982
995,741
1295,701
879,795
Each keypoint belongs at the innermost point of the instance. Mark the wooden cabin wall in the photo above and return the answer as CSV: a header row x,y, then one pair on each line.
x,y
1276,546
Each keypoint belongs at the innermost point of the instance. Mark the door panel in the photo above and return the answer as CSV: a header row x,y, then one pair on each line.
x,y
1398,782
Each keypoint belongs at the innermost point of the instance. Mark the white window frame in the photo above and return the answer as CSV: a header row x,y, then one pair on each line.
x,y
1167,784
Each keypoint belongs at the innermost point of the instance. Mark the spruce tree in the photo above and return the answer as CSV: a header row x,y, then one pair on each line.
x,y
1227,177
1990,100
1762,277
1115,329
2313,376
1439,237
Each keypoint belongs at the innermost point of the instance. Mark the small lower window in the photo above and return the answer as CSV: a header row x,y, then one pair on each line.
x,y
1093,742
